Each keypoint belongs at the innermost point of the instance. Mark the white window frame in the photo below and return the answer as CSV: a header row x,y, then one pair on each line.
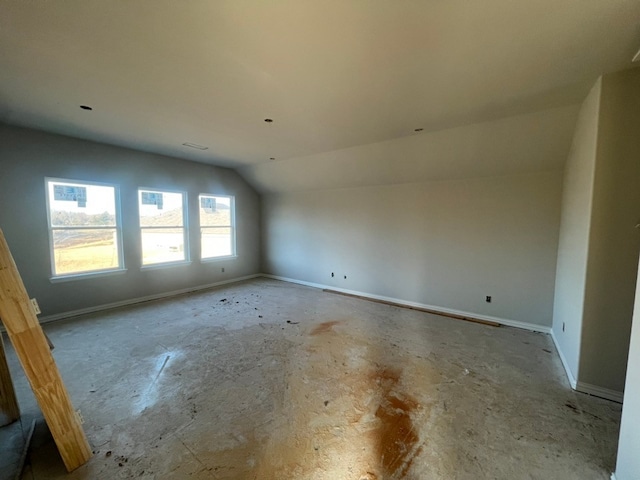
x,y
232,204
118,228
185,229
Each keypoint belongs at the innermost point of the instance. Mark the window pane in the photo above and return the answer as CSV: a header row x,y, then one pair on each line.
x,y
216,242
161,245
80,250
75,204
160,209
215,211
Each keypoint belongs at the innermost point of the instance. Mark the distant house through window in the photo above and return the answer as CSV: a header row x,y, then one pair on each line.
x,y
217,226
84,227
162,226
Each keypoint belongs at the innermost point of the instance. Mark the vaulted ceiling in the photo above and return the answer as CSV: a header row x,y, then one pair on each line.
x,y
332,74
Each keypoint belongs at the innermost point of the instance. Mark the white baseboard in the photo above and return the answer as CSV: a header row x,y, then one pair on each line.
x,y
584,387
502,321
601,392
565,364
132,301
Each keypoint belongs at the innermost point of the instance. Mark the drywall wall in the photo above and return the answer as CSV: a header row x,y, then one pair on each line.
x,y
446,244
614,243
527,143
599,246
27,157
571,269
628,464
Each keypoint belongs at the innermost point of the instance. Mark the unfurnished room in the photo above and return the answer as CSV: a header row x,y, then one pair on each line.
x,y
320,240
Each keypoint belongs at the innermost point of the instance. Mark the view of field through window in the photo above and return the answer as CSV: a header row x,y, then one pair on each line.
x,y
216,226
162,226
84,234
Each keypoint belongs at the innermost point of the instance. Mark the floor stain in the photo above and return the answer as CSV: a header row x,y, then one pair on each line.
x,y
397,439
324,327
369,476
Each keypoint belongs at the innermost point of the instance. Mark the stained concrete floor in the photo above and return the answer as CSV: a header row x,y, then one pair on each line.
x,y
270,380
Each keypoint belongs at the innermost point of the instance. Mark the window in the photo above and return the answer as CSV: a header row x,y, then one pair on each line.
x,y
217,231
84,227
162,226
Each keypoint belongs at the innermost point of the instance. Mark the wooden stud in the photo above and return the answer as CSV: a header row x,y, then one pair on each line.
x,y
9,410
419,309
30,344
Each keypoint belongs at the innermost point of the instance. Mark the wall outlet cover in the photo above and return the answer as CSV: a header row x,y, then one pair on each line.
x,y
36,307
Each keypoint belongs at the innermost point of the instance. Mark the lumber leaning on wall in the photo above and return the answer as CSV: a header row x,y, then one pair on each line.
x,y
30,344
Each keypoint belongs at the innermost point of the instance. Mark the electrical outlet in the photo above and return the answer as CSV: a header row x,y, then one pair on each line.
x,y
563,326
488,298
332,275
345,277
222,269
36,307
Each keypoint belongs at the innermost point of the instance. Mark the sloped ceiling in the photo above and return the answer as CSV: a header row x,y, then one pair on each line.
x,y
513,145
332,74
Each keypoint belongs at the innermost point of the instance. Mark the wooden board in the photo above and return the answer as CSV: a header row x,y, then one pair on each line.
x,y
419,309
26,335
9,410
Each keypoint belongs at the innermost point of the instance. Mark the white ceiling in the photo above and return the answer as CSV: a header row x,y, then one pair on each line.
x,y
331,73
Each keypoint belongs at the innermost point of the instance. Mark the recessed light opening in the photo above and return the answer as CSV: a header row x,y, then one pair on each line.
x,y
418,129
86,107
272,158
268,120
195,145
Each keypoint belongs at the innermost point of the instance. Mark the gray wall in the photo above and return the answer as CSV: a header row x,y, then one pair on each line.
x,y
571,272
27,157
614,243
445,243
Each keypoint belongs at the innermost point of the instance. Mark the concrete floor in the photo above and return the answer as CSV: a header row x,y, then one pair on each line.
x,y
269,380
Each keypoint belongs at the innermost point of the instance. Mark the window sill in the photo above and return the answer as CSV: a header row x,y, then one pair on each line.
x,y
155,266
218,259
86,276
